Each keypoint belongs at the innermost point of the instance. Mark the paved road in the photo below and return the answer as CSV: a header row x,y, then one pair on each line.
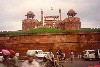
x,y
80,63
76,63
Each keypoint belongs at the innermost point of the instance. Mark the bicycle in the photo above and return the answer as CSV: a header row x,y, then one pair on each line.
x,y
53,63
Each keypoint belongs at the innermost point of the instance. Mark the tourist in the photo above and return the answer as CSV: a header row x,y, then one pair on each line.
x,y
72,56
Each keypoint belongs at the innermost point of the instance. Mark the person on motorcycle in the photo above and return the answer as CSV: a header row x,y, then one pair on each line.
x,y
59,55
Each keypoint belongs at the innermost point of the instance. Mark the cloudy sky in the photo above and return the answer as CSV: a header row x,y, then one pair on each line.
x,y
12,12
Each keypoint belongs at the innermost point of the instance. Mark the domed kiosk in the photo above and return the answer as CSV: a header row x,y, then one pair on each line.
x,y
72,22
30,22
71,13
30,14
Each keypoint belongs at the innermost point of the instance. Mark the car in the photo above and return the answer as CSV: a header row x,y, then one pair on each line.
x,y
36,50
40,55
1,57
89,54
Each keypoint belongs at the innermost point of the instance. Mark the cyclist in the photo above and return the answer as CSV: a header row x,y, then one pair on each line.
x,y
50,59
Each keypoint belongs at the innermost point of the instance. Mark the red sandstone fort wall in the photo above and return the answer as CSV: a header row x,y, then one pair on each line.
x,y
66,42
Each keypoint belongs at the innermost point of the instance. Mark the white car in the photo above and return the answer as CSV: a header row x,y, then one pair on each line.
x,y
89,54
1,57
40,54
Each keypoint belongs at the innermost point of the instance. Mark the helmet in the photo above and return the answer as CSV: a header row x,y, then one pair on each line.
x,y
30,53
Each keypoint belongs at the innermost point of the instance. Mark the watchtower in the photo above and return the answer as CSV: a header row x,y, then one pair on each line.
x,y
30,23
72,22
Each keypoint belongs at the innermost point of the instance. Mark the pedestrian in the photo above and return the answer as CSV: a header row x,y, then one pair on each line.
x,y
72,56
31,61
13,58
17,59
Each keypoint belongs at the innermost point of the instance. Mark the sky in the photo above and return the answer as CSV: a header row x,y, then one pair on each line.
x,y
12,12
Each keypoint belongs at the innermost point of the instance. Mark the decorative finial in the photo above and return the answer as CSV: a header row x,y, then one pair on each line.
x,y
41,9
51,8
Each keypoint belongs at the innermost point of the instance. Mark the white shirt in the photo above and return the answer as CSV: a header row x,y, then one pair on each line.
x,y
33,64
50,55
72,55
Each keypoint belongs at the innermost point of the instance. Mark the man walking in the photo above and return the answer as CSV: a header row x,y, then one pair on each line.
x,y
72,56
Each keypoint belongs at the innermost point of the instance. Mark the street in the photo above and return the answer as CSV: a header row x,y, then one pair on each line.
x,y
77,63
80,63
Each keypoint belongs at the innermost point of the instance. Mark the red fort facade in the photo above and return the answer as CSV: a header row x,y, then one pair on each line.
x,y
52,21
